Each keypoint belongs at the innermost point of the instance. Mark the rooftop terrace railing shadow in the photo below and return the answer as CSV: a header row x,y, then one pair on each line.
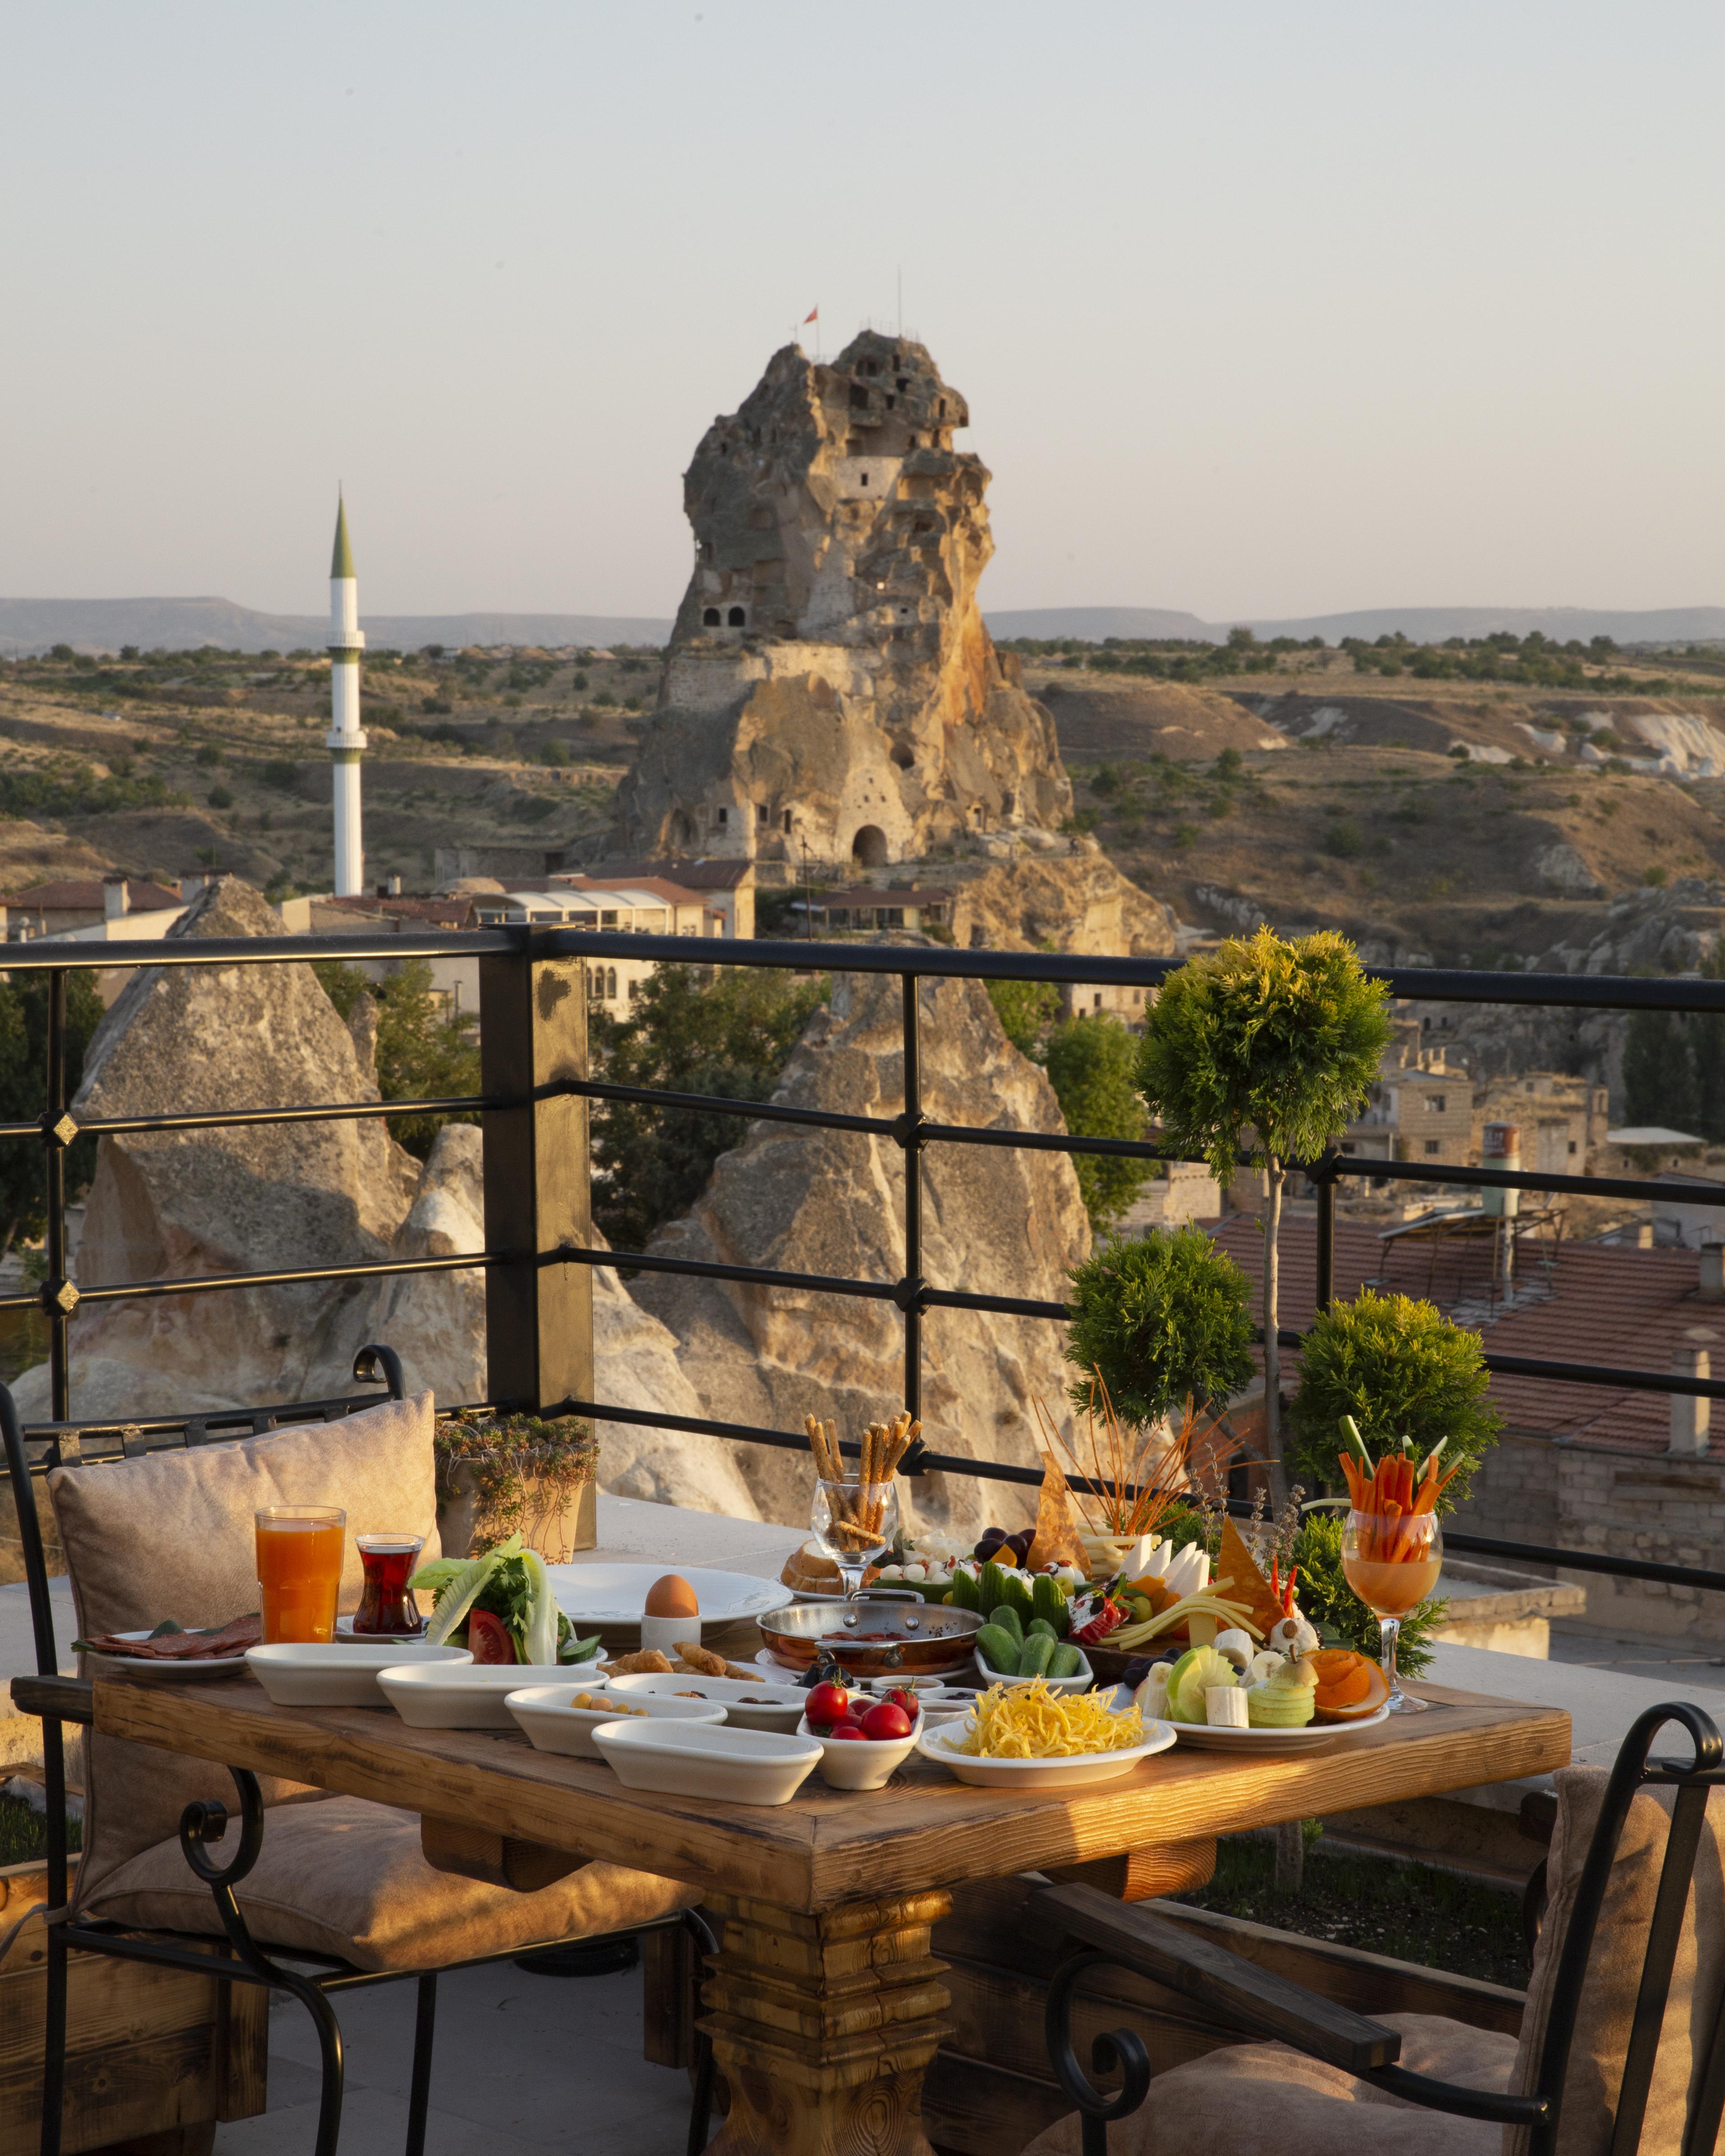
x,y
534,1085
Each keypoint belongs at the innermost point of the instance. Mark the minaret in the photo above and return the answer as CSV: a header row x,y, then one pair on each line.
x,y
345,742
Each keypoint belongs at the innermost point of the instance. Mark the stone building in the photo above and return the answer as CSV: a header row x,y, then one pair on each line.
x,y
830,695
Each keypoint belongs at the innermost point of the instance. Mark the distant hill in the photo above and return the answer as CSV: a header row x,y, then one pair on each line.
x,y
30,625
1424,624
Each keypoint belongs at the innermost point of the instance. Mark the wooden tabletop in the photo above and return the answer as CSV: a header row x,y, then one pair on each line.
x,y
827,1846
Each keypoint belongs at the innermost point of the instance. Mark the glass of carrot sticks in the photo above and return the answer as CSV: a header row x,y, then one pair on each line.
x,y
855,1518
1393,1547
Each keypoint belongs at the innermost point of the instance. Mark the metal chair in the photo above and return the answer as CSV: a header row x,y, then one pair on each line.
x,y
59,1701
1263,2005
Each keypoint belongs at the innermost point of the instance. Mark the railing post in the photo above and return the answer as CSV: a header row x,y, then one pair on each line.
x,y
538,1194
910,1140
59,1296
1326,1182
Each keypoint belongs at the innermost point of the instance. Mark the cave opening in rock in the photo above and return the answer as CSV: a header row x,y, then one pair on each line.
x,y
869,846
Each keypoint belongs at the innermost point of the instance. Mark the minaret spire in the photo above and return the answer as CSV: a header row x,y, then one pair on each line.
x,y
344,741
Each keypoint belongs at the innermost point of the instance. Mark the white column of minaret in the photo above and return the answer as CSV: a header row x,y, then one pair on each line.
x,y
345,742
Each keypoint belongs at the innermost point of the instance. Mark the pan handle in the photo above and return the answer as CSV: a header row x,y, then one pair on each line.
x,y
886,1594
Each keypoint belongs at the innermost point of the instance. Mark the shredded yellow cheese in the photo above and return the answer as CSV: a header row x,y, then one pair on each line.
x,y
1029,1722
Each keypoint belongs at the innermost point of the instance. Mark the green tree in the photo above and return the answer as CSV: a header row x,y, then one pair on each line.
x,y
1157,1318
1092,1064
423,1054
1028,1011
1659,1072
23,1094
1401,1369
727,1033
1264,1046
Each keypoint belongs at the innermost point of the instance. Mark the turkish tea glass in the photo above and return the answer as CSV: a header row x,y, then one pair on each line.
x,y
300,1549
854,1523
387,1608
1393,1566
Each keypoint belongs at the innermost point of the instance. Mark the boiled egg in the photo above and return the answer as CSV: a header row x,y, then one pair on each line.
x,y
672,1597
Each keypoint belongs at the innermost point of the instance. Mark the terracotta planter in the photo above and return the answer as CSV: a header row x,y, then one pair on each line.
x,y
557,1521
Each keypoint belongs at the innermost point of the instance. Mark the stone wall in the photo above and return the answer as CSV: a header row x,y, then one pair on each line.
x,y
1619,1503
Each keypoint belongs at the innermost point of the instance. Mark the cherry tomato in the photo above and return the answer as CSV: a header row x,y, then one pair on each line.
x,y
851,1732
828,1703
901,1695
885,1723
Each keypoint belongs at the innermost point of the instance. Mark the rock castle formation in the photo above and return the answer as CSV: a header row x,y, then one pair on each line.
x,y
830,692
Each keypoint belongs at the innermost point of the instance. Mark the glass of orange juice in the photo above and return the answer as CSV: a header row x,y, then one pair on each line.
x,y
300,1549
1392,1564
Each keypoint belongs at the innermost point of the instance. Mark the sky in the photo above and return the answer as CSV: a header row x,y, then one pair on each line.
x,y
1261,309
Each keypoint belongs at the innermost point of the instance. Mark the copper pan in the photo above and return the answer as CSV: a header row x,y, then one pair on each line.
x,y
920,1638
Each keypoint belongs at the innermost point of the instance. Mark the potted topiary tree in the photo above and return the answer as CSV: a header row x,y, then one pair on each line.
x,y
1265,1046
1401,1369
1160,1320
499,1476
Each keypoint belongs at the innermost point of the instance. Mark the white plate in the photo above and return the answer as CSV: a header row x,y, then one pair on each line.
x,y
1084,1769
1085,1678
782,1713
550,1724
315,1675
465,1695
1203,1738
224,1666
707,1760
613,1594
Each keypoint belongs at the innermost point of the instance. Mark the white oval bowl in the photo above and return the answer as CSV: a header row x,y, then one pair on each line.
x,y
1082,1768
1081,1681
782,1711
317,1675
545,1717
860,1762
467,1696
707,1760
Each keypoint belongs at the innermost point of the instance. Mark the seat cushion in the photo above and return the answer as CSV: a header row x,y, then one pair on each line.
x,y
346,1877
1265,2096
171,1534
1605,2012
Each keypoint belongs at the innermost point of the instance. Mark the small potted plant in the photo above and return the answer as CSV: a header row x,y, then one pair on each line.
x,y
1160,1320
1401,1369
501,1475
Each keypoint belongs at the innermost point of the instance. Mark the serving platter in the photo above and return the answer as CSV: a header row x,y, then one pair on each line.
x,y
1079,1770
613,1595
1247,1742
203,1666
548,1718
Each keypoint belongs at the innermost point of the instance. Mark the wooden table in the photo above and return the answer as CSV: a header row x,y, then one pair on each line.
x,y
824,2003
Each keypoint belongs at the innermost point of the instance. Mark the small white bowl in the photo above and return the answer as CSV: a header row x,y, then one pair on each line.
x,y
707,1760
551,1723
860,1762
341,1675
747,1706
1081,1681
1082,1768
469,1695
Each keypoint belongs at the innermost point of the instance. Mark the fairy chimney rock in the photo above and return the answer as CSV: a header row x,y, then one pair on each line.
x,y
829,686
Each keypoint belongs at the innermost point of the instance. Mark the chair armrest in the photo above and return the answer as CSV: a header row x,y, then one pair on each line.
x,y
61,1699
1255,1999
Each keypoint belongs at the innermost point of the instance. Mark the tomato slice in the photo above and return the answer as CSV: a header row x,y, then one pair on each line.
x,y
489,1638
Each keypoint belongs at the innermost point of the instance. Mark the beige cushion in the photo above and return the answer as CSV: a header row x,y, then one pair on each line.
x,y
1614,1974
1265,2096
171,1535
346,1877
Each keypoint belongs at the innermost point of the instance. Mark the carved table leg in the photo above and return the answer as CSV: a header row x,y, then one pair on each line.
x,y
823,2025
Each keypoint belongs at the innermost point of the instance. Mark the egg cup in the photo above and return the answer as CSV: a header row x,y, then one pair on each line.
x,y
667,1632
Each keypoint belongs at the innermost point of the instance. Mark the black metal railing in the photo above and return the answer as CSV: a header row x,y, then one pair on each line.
x,y
534,1085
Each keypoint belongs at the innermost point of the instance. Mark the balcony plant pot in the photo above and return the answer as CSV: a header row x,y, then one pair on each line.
x,y
499,1476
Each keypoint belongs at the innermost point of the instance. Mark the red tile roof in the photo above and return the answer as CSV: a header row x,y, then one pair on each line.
x,y
1623,1308
433,912
87,898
